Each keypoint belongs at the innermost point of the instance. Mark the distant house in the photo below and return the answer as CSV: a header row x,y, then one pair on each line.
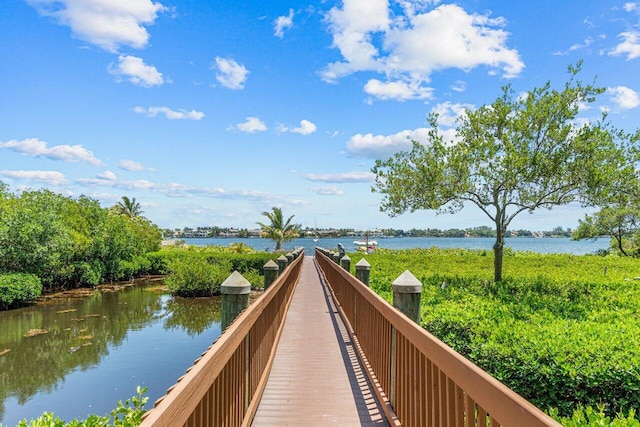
x,y
255,232
232,232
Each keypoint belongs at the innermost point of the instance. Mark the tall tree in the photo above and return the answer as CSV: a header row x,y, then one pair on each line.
x,y
129,207
278,229
619,216
516,155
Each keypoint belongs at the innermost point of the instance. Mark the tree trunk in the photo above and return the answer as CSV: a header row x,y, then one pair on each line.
x,y
498,251
619,240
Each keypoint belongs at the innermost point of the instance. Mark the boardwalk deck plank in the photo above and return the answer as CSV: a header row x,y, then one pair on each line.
x,y
316,378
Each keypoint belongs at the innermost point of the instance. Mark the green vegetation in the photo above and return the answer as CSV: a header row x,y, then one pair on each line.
x,y
17,288
596,417
278,229
518,154
561,330
128,207
199,271
620,221
69,243
127,414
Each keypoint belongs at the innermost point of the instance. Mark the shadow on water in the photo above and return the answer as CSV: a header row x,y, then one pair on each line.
x,y
113,339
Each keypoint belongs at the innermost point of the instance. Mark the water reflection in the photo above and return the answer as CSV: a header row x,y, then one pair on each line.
x,y
51,346
193,315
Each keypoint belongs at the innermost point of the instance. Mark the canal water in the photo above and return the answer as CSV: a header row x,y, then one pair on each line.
x,y
81,352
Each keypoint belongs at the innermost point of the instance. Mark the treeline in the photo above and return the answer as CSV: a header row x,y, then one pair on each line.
x,y
59,242
482,231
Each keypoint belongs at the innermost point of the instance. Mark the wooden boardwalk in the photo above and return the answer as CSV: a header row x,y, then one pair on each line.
x,y
316,378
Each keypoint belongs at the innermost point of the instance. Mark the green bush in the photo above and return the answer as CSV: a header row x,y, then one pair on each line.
x,y
18,289
127,414
195,277
596,418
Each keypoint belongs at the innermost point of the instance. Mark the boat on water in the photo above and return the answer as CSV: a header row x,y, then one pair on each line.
x,y
367,246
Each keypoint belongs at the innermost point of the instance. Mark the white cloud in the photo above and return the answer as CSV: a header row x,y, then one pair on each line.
x,y
340,178
459,86
282,22
329,190
107,24
169,113
409,48
251,125
67,153
449,112
108,175
383,146
631,6
397,90
132,166
230,74
629,46
174,189
136,71
624,97
48,177
306,128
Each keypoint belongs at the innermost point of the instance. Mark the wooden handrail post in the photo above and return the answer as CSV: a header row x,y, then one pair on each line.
x,y
235,292
290,258
270,273
345,262
406,295
363,269
282,263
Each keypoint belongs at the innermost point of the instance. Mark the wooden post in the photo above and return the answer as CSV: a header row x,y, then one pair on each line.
x,y
345,262
406,295
335,256
270,273
290,258
363,269
282,263
235,292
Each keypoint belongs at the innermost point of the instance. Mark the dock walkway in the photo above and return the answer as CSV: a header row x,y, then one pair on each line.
x,y
316,378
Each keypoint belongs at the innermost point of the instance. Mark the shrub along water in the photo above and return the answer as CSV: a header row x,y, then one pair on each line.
x,y
199,271
127,414
69,242
561,330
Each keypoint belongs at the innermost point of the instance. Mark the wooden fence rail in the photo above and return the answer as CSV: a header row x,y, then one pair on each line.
x,y
421,380
223,387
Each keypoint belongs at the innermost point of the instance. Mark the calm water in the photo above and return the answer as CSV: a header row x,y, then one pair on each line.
x,y
540,245
97,349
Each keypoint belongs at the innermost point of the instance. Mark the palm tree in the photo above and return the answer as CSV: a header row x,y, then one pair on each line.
x,y
128,207
279,230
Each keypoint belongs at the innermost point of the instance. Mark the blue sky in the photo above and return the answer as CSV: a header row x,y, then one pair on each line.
x,y
211,112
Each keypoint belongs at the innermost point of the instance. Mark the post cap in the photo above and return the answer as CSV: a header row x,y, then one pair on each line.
x,y
271,265
235,284
346,258
363,264
407,283
282,258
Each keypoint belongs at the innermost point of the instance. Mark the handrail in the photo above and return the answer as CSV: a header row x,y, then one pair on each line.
x,y
224,385
423,380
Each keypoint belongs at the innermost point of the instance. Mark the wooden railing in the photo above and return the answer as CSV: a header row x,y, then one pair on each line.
x,y
224,386
420,380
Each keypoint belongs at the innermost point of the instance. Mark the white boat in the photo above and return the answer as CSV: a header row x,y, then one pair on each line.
x,y
367,246
365,242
